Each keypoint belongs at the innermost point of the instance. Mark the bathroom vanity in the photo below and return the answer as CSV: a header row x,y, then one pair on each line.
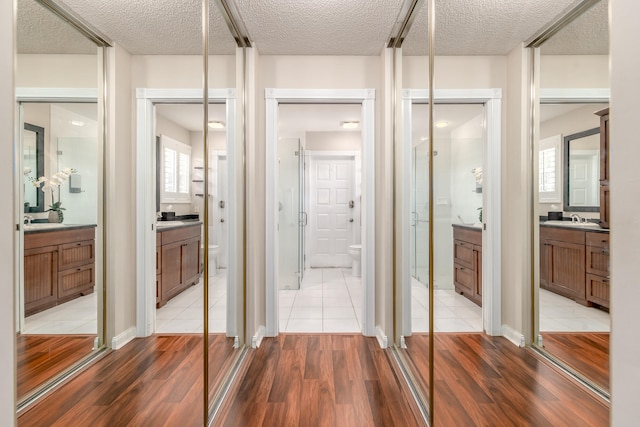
x,y
467,261
177,259
59,265
574,263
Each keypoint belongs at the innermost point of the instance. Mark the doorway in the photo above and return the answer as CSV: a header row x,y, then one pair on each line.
x,y
466,143
334,207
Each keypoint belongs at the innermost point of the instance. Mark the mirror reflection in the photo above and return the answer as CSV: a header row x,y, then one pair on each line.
x,y
573,302
33,166
58,291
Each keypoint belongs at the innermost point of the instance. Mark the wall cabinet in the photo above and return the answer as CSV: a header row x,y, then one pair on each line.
x,y
59,265
177,261
604,167
467,262
575,263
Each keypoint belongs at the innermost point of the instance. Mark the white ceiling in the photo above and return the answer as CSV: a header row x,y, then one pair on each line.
x,y
294,119
313,27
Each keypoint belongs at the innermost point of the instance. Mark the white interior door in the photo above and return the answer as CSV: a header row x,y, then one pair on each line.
x,y
222,211
331,215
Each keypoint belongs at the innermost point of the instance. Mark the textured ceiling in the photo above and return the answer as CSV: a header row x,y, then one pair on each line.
x,y
587,35
313,27
319,27
40,31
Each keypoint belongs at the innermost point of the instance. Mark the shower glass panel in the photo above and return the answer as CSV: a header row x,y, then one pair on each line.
x,y
420,213
291,216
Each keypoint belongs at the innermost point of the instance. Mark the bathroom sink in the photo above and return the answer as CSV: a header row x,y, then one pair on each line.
x,y
162,224
573,224
43,226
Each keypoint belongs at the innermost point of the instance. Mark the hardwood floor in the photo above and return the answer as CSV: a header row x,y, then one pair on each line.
x,y
155,381
41,357
587,352
320,380
487,381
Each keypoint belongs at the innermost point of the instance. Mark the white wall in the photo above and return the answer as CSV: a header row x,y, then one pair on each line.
x,y
72,71
120,196
7,217
181,71
574,71
333,141
625,221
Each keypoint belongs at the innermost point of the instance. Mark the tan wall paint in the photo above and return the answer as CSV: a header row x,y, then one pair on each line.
x,y
574,71
57,71
625,204
7,217
181,71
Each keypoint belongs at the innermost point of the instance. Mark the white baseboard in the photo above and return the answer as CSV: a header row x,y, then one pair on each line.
x,y
382,338
257,338
512,335
123,338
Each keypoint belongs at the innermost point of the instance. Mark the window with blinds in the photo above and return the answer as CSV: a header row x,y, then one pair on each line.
x,y
549,188
175,160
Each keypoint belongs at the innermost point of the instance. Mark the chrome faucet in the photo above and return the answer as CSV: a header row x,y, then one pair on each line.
x,y
575,218
28,219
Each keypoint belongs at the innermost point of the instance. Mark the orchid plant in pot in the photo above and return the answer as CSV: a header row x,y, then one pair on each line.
x,y
51,185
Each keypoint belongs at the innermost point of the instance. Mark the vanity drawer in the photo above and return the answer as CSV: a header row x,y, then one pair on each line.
x,y
599,240
562,234
463,253
598,290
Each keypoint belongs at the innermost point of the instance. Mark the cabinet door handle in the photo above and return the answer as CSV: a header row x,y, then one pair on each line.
x,y
605,251
78,244
605,280
78,269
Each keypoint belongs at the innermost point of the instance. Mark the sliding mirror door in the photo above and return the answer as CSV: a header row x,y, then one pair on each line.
x,y
572,188
59,303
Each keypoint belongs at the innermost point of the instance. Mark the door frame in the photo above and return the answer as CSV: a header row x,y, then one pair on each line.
x,y
492,225
365,97
146,98
357,181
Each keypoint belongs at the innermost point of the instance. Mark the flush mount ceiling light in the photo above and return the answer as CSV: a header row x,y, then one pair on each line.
x,y
216,125
77,123
441,124
350,125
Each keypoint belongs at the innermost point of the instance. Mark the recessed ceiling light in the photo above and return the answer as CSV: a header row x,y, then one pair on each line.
x,y
77,123
424,138
350,125
441,124
216,125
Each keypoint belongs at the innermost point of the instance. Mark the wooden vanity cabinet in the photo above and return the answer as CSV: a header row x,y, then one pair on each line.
x,y
467,262
562,262
177,261
59,265
597,268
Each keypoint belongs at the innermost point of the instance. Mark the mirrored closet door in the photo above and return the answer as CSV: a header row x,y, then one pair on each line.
x,y
572,186
59,304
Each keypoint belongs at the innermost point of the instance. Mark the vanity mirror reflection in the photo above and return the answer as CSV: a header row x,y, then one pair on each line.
x,y
33,158
572,291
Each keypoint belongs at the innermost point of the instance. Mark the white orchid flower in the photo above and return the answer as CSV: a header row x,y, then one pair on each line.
x,y
68,171
26,170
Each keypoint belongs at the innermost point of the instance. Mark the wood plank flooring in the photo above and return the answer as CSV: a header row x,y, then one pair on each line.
x,y
320,380
154,381
587,352
487,381
41,357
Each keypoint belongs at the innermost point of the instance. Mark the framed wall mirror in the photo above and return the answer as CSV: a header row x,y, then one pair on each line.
x,y
33,166
582,171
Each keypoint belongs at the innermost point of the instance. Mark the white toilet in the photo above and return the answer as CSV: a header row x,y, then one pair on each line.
x,y
354,251
213,255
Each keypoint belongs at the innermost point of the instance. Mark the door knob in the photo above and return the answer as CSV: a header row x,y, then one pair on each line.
x,y
350,219
221,219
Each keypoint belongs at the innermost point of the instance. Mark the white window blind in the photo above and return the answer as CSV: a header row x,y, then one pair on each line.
x,y
175,159
549,180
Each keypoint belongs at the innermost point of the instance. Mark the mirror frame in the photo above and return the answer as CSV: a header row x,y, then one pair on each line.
x,y
565,173
39,131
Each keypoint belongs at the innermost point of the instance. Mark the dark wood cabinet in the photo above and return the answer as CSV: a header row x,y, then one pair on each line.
x,y
177,261
562,262
597,268
575,263
59,265
467,262
604,167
